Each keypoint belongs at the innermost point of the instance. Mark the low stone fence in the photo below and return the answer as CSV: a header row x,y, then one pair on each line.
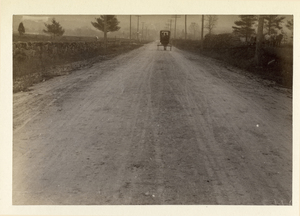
x,y
58,49
37,61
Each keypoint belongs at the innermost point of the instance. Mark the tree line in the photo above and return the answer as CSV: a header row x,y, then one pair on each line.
x,y
244,27
105,23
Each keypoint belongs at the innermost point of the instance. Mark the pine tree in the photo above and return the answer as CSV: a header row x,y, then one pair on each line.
x,y
21,29
54,29
272,23
244,26
111,23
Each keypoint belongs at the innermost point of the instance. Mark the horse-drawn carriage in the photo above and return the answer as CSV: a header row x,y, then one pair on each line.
x,y
165,39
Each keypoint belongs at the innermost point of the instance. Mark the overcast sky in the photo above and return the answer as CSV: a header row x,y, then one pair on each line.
x,y
35,24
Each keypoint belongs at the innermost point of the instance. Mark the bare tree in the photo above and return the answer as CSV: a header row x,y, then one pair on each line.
x,y
211,22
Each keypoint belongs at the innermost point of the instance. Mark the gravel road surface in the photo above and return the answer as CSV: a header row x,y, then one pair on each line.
x,y
153,127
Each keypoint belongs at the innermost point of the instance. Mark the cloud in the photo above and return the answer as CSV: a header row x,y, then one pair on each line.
x,y
35,18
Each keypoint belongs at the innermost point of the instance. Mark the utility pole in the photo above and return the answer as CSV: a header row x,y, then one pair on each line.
x,y
175,27
185,28
194,28
143,30
138,27
202,26
175,16
167,25
130,31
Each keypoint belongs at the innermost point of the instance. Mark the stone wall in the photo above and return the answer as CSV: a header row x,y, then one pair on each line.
x,y
59,49
36,61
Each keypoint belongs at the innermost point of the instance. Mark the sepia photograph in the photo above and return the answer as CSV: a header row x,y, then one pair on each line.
x,y
152,109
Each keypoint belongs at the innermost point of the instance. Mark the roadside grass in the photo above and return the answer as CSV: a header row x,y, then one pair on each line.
x,y
30,70
277,61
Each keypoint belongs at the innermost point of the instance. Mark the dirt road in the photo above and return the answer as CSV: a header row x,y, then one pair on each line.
x,y
153,127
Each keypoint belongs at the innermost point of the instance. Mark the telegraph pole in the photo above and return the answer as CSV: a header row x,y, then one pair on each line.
x,y
143,30
138,27
194,28
185,28
175,16
167,25
202,24
175,27
130,31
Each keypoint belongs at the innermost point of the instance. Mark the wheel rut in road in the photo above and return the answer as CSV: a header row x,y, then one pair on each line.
x,y
151,128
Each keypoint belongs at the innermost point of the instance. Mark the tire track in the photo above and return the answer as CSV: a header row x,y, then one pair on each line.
x,y
219,162
148,128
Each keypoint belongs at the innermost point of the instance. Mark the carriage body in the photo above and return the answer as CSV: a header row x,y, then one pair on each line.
x,y
165,39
